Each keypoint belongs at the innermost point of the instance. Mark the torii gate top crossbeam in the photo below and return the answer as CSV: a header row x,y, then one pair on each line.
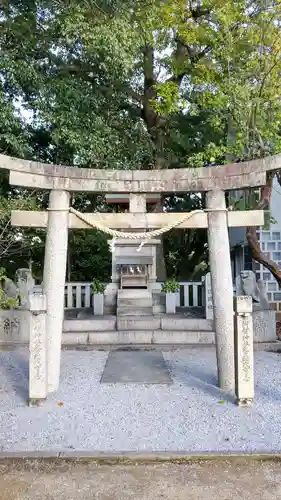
x,y
227,177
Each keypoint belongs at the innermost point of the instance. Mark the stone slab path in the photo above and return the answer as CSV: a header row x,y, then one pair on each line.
x,y
198,481
189,415
139,367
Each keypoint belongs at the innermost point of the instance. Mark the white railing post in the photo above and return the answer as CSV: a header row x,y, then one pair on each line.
x,y
186,295
78,296
195,295
74,294
69,296
76,291
87,301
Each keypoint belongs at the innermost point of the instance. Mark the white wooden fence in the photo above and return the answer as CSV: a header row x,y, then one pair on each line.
x,y
79,295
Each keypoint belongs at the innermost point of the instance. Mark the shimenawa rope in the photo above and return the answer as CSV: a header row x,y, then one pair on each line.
x,y
132,236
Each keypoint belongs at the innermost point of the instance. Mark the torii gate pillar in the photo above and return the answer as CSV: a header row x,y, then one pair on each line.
x,y
222,289
54,280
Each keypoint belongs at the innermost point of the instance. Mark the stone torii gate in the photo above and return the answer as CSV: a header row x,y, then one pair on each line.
x,y
61,181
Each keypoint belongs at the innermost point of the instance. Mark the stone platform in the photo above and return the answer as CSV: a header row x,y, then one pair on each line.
x,y
81,327
153,329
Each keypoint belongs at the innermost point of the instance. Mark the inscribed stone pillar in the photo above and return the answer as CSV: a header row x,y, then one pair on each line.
x,y
37,349
222,289
244,355
54,280
208,297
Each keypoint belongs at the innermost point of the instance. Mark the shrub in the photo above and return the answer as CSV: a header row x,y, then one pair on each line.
x,y
170,286
97,286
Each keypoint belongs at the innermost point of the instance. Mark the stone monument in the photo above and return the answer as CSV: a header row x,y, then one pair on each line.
x,y
264,317
25,283
244,350
38,384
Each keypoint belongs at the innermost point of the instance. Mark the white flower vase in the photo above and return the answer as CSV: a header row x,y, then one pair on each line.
x,y
98,304
171,299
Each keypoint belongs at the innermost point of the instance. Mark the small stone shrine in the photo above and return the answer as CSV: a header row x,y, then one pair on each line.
x,y
133,262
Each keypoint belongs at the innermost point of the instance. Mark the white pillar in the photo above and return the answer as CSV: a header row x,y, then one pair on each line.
x,y
37,349
244,351
222,289
54,280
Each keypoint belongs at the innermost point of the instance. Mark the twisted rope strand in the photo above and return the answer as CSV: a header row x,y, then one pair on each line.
x,y
133,236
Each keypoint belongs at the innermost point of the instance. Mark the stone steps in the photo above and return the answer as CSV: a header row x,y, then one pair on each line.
x,y
136,323
135,312
174,322
158,309
139,337
134,303
133,294
130,322
127,292
141,302
106,323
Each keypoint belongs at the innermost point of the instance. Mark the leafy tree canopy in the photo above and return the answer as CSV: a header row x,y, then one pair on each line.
x,y
140,84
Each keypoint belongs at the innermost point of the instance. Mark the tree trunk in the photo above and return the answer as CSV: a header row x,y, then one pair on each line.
x,y
251,233
260,256
160,259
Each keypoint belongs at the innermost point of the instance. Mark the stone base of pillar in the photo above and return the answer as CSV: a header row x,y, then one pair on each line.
x,y
35,402
244,402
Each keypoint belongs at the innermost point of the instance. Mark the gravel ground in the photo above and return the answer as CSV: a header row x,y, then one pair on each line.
x,y
192,415
197,481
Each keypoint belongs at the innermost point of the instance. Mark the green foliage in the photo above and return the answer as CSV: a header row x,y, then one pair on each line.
x,y
167,100
84,65
15,241
185,251
97,286
133,85
225,58
88,254
170,286
7,302
3,273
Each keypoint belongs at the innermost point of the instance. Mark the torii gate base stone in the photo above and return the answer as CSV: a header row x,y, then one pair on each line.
x,y
214,181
